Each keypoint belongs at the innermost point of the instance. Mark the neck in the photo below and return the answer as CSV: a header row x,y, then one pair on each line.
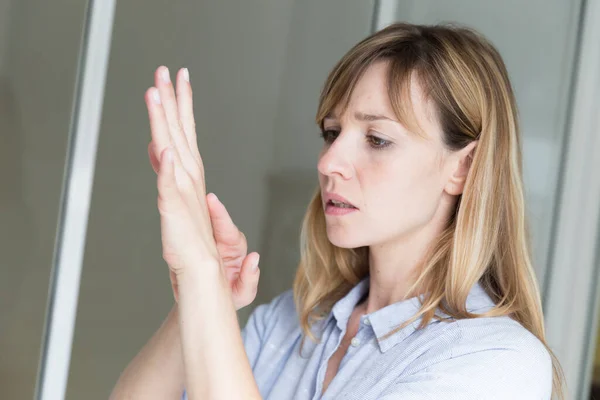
x,y
394,267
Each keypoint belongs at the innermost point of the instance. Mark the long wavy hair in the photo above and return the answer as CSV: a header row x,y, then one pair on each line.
x,y
486,238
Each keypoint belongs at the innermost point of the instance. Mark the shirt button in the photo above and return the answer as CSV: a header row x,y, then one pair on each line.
x,y
367,321
355,342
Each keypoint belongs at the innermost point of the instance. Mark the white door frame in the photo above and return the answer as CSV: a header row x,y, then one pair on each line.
x,y
63,292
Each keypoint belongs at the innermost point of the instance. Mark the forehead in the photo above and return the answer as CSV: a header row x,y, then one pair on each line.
x,y
371,96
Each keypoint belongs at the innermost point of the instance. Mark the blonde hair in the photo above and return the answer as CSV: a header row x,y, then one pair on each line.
x,y
486,238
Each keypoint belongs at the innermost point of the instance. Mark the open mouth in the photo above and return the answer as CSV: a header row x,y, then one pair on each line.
x,y
338,204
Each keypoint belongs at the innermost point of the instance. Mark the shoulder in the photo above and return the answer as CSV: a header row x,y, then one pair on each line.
x,y
501,334
491,358
499,352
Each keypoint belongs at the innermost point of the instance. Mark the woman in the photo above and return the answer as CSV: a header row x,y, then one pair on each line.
x,y
415,280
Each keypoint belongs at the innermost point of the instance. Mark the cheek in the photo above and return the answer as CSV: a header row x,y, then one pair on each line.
x,y
406,192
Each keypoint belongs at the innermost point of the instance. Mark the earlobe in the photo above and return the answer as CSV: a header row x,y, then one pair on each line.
x,y
464,159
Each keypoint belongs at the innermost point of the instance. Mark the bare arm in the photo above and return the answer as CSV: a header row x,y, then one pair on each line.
x,y
157,371
213,353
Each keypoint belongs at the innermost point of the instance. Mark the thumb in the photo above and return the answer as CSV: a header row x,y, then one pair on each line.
x,y
247,283
223,227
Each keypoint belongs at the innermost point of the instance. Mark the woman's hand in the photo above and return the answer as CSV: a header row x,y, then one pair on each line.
x,y
233,247
194,226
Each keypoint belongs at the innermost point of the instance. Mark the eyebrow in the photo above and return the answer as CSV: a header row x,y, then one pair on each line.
x,y
365,117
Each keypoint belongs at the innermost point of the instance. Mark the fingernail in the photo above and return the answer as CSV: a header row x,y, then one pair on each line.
x,y
255,265
156,96
165,75
186,74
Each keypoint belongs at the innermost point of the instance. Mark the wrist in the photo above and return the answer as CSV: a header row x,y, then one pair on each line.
x,y
199,274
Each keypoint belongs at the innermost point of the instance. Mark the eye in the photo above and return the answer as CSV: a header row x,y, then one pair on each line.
x,y
378,143
329,135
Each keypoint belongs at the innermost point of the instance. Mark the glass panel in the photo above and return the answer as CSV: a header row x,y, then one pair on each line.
x,y
539,54
257,69
39,50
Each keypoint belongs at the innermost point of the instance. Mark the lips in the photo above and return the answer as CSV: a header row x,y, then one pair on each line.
x,y
328,196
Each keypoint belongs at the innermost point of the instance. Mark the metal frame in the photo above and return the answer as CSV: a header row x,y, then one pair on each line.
x,y
78,178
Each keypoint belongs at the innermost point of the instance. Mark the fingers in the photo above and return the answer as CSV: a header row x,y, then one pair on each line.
x,y
186,111
224,230
247,283
158,123
176,192
154,162
175,127
168,192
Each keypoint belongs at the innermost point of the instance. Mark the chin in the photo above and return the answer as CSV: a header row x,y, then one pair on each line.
x,y
344,241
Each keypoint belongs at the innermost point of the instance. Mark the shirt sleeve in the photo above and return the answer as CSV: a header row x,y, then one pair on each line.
x,y
494,374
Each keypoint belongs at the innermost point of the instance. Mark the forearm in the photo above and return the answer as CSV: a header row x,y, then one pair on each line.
x,y
216,364
156,372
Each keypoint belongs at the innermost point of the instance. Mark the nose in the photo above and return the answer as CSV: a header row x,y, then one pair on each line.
x,y
336,159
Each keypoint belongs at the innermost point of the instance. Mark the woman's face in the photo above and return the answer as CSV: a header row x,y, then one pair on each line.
x,y
396,179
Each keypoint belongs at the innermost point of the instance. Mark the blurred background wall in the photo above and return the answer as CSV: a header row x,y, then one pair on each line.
x,y
4,32
39,47
257,69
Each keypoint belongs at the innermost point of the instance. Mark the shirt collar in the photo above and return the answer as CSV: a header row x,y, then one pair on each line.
x,y
392,316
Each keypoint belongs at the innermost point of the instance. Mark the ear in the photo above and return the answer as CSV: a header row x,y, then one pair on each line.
x,y
463,159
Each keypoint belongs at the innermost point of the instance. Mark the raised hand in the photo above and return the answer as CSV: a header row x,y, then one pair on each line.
x,y
193,225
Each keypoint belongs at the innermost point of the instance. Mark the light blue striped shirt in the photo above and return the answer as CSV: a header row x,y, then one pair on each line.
x,y
470,359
